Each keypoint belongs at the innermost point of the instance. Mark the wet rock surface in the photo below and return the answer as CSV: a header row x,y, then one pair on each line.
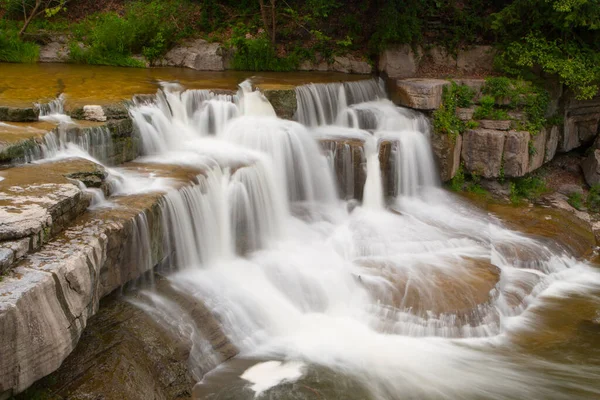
x,y
16,114
446,150
126,352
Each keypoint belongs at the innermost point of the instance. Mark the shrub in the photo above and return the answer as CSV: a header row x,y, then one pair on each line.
x,y
529,187
576,200
593,199
445,120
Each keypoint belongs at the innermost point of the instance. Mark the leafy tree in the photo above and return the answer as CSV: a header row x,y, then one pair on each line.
x,y
560,37
32,9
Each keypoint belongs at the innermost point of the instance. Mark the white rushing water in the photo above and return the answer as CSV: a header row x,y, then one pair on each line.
x,y
420,298
410,294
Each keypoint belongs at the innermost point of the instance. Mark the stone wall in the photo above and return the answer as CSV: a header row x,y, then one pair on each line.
x,y
497,148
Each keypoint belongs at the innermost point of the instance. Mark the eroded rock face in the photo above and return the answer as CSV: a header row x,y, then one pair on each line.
x,y
553,136
482,151
198,54
500,125
591,168
446,150
421,94
581,122
516,153
399,62
538,144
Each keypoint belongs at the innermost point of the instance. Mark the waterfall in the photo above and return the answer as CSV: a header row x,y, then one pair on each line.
x,y
360,106
95,141
426,298
320,104
54,110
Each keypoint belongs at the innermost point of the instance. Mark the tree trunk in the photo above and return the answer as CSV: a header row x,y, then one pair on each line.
x,y
273,23
32,14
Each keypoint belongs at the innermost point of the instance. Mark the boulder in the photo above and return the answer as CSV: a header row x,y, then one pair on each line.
x,y
54,52
591,168
19,114
421,94
197,54
553,136
399,62
482,151
94,113
516,153
283,101
536,159
446,150
499,125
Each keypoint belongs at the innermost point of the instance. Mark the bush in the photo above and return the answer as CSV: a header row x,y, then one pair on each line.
x,y
487,109
445,121
593,199
530,187
258,54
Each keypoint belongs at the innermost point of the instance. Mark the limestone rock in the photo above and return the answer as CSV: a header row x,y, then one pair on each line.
x,y
476,59
465,114
198,54
553,136
19,114
591,168
499,125
399,62
536,159
94,113
482,151
54,52
516,153
283,101
308,65
446,150
421,94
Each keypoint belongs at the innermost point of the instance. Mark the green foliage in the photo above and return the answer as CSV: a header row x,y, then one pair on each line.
x,y
457,182
398,21
12,48
258,54
323,8
487,109
593,199
445,121
530,187
560,37
111,39
576,200
531,148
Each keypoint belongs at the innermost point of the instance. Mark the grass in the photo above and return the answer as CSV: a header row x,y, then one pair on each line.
x,y
593,199
13,49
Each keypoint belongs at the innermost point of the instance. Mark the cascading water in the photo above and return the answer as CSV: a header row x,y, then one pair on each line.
x,y
427,299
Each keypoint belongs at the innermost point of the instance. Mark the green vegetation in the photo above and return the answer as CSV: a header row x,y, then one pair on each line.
x,y
470,184
558,37
503,94
445,120
593,199
13,48
576,200
529,187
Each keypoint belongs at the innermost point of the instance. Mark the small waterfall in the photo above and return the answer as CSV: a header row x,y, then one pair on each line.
x,y
359,106
54,110
95,141
320,104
